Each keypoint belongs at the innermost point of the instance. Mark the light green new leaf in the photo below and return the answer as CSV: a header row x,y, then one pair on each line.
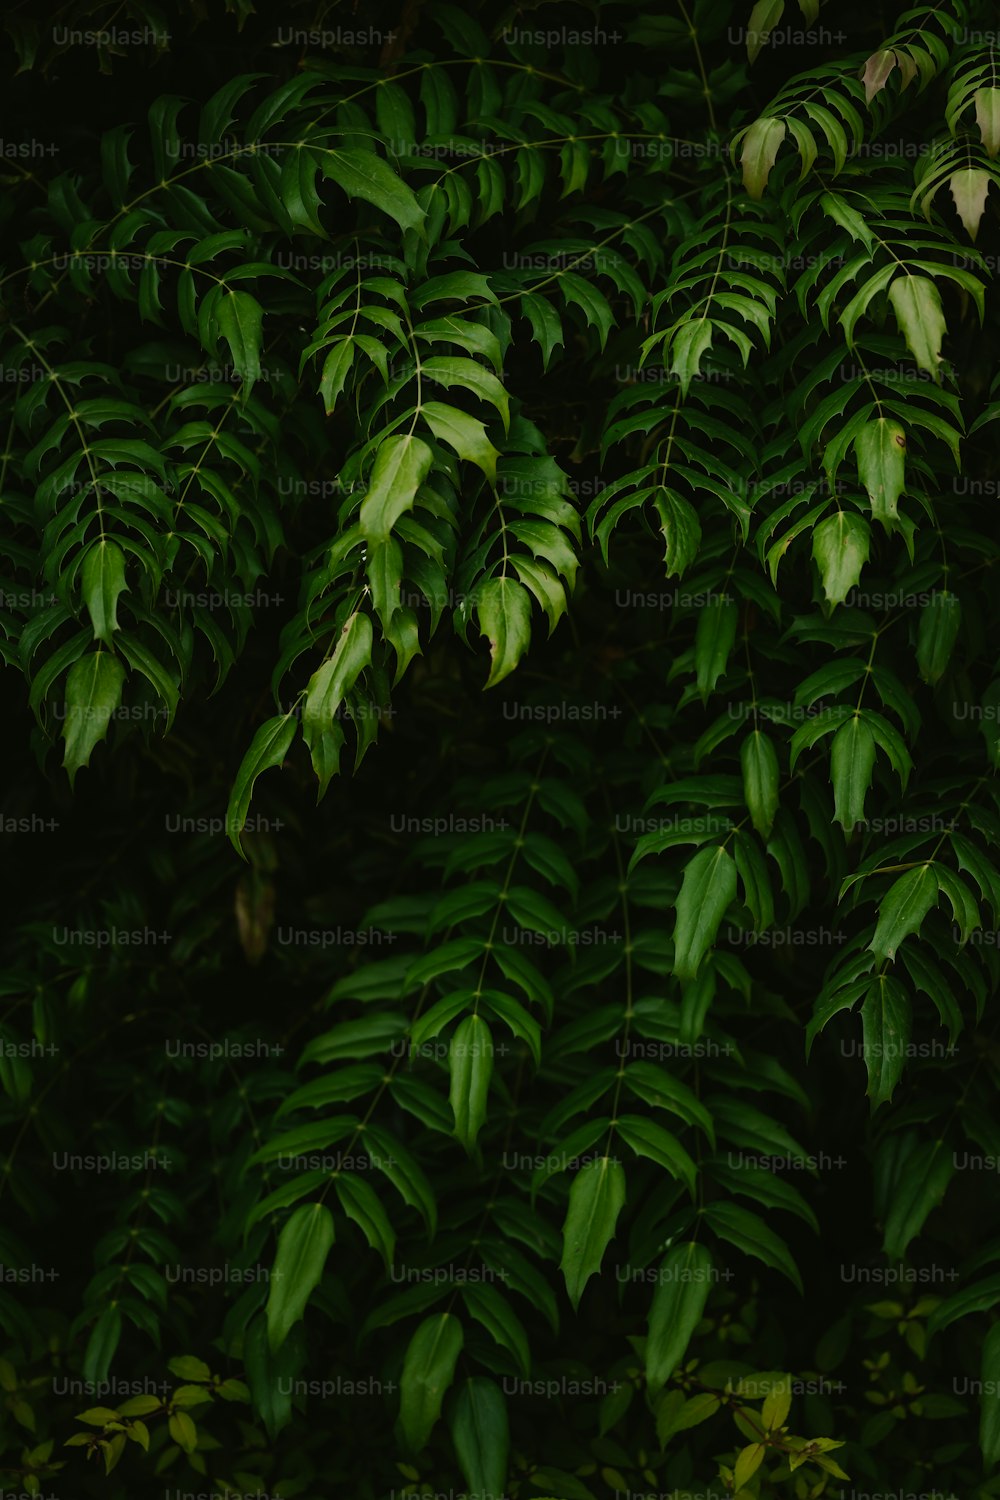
x,y
268,748
840,546
596,1199
904,908
470,1060
920,1187
761,777
852,760
886,1018
969,187
303,1246
987,102
240,317
463,433
880,448
916,302
428,1370
93,694
939,622
713,641
708,888
503,609
362,174
103,581
400,468
989,1401
480,1433
678,1302
760,147
763,18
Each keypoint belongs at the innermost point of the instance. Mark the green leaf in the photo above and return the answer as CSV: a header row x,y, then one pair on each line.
x,y
939,622
449,370
880,448
761,777
903,909
268,748
751,1235
969,187
336,368
763,18
93,694
989,1401
480,1433
102,1345
920,1187
503,609
464,434
401,466
648,1139
240,317
364,175
682,1288
303,1246
987,102
681,532
708,888
916,302
886,1017
852,761
361,1203
470,1060
428,1370
840,548
330,683
596,1198
713,642
760,147
687,346
103,581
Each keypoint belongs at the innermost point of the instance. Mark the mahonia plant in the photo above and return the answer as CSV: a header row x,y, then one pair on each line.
x,y
499,511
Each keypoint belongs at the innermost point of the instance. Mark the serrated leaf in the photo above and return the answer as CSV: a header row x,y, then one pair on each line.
x,y
480,1433
903,909
93,693
852,761
103,580
428,1370
268,748
362,174
470,1061
707,890
596,1198
840,547
916,302
676,1310
503,610
303,1246
761,778
760,147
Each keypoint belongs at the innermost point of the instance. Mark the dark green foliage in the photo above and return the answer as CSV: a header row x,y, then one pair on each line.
x,y
502,742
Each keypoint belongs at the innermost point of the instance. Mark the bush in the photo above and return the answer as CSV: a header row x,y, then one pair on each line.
x,y
503,798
